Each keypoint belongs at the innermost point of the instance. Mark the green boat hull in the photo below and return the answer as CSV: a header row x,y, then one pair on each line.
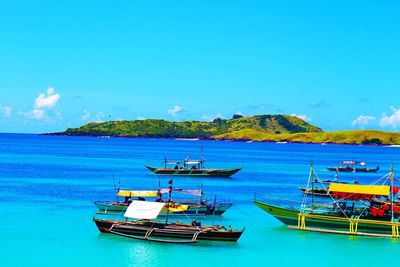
x,y
330,223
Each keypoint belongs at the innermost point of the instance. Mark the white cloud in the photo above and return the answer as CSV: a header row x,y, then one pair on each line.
x,y
207,117
363,120
176,111
5,111
140,118
44,103
391,120
301,116
48,101
85,116
37,113
100,117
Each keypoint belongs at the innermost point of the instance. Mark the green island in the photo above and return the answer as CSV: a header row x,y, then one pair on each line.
x,y
262,128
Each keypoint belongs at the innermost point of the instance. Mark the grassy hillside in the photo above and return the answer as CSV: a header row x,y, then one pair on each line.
x,y
272,128
369,137
264,124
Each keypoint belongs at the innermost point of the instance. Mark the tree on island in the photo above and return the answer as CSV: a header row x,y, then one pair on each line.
x,y
237,116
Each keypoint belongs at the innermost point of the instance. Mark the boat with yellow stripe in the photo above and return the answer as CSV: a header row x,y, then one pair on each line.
x,y
198,206
352,209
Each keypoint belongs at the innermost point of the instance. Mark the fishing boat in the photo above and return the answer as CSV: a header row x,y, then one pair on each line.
x,y
352,209
353,166
195,207
190,168
323,191
316,191
164,232
145,227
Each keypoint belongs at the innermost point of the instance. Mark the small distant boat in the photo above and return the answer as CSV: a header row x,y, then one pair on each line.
x,y
193,207
191,168
187,139
315,191
353,166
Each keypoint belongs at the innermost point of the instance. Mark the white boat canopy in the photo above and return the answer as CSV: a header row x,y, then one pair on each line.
x,y
144,209
193,162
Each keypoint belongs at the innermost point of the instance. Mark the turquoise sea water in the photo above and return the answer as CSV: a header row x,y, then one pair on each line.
x,y
48,185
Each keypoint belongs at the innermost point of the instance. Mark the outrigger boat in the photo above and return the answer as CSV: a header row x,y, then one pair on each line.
x,y
353,166
352,209
323,191
195,207
146,228
190,168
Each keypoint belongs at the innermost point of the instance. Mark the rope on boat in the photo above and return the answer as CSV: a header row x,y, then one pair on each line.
x,y
148,233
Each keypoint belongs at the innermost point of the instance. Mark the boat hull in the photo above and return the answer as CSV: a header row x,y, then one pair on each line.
x,y
349,169
140,229
194,172
329,223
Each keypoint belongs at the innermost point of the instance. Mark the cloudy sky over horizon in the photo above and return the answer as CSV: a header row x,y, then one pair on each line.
x,y
67,63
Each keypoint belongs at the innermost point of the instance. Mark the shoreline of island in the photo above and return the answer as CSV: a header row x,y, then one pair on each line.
x,y
259,128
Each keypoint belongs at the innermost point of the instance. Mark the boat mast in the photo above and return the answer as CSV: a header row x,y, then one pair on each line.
x,y
169,200
215,203
201,158
201,193
391,190
312,184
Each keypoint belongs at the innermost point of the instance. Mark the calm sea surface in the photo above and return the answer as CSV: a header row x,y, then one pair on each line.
x,y
48,185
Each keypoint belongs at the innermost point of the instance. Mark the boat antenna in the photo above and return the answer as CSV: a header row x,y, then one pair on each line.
x,y
165,162
169,199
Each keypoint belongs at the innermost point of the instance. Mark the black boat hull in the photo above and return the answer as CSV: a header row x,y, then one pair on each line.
x,y
349,169
194,172
139,229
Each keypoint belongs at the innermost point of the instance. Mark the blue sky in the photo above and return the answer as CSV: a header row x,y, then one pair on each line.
x,y
65,63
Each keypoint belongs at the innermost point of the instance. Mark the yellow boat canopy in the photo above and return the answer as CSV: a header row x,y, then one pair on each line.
x,y
382,190
136,193
172,207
